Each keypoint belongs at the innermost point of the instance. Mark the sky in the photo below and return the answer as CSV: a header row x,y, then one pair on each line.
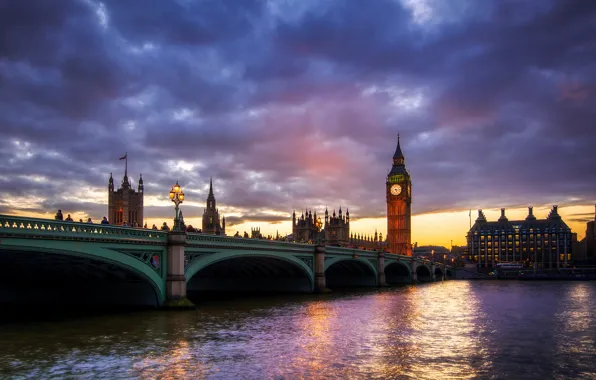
x,y
295,104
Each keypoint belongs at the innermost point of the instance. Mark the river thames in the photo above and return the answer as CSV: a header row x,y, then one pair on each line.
x,y
450,330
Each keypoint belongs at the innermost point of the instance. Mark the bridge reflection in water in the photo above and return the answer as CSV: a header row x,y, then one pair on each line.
x,y
64,262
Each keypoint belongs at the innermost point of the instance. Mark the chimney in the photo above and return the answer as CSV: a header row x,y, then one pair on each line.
x,y
503,218
530,214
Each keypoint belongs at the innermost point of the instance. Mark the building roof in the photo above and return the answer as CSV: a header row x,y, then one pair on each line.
x,y
552,222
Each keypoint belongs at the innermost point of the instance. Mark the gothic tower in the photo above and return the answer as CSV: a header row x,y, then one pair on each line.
x,y
399,201
125,205
211,221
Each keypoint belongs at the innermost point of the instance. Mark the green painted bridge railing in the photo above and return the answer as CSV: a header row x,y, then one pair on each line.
x,y
22,227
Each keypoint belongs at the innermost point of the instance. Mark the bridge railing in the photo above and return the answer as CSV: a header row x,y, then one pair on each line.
x,y
23,226
200,239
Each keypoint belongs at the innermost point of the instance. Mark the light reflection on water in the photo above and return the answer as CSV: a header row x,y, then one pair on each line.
x,y
450,330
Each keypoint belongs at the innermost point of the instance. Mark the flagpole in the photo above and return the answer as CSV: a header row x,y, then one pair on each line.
x,y
126,164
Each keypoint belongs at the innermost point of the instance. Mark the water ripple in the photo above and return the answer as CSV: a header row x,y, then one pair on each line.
x,y
451,330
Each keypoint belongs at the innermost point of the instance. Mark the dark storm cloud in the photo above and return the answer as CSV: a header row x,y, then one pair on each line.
x,y
293,107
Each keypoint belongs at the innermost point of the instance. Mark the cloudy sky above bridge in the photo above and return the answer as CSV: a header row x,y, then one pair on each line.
x,y
290,104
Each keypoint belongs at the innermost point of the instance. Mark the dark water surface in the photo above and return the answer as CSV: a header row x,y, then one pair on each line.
x,y
451,330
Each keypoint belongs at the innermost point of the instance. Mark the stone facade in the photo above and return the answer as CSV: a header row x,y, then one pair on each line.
x,y
125,205
306,228
211,221
337,228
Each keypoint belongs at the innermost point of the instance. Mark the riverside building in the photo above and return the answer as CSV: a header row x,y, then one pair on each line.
x,y
545,243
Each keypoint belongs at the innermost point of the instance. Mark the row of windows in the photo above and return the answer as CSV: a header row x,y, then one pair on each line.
x,y
509,243
517,236
531,231
496,257
531,249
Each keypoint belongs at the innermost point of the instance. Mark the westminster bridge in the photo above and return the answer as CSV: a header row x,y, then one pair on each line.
x,y
50,261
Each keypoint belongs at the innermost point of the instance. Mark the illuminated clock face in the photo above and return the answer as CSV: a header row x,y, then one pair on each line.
x,y
396,189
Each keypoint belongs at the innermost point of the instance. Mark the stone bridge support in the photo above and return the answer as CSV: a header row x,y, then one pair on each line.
x,y
381,269
320,283
413,267
175,278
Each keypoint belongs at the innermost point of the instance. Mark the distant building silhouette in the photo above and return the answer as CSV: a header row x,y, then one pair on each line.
x,y
255,233
125,204
546,242
211,221
587,246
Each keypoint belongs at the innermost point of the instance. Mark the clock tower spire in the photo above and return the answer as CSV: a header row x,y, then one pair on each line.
x,y
399,201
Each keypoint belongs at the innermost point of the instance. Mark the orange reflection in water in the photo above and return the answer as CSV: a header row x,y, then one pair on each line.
x,y
315,337
446,321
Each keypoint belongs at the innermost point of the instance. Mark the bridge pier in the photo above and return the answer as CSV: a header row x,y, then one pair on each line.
x,y
413,267
175,278
320,283
381,269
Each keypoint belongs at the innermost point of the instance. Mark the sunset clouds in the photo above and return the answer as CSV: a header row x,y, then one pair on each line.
x,y
294,104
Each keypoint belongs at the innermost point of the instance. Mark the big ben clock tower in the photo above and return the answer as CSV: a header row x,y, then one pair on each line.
x,y
399,201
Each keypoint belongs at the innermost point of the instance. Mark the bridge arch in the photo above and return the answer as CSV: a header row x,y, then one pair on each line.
x,y
256,271
438,273
398,272
423,273
350,272
69,273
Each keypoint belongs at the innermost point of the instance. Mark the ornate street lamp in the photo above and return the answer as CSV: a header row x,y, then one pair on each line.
x,y
319,225
176,196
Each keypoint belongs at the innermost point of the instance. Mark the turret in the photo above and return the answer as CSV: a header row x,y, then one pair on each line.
x,y
141,186
111,183
211,197
347,216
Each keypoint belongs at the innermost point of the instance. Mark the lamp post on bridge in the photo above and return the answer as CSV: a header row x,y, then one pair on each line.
x,y
176,196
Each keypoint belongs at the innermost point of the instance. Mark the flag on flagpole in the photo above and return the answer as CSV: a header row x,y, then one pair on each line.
x,y
124,157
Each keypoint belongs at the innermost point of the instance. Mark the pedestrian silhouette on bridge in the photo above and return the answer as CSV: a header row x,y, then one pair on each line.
x,y
59,215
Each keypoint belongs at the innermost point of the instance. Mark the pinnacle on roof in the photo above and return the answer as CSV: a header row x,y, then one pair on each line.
x,y
211,186
398,152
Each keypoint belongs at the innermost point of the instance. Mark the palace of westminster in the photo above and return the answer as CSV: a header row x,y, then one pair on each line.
x,y
548,242
125,207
